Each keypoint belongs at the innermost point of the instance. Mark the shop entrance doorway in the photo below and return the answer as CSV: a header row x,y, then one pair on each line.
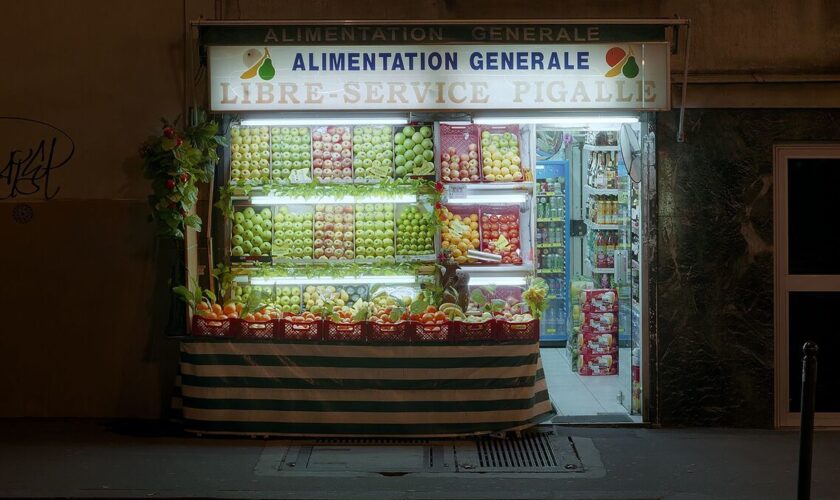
x,y
807,277
589,223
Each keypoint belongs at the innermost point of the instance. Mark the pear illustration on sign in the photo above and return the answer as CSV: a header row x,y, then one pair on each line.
x,y
258,63
621,62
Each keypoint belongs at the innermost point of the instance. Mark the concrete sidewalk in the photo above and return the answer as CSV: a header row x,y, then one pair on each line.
x,y
125,459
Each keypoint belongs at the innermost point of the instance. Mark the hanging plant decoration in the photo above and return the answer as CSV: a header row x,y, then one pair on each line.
x,y
176,161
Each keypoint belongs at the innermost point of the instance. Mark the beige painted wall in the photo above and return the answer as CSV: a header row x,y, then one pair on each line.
x,y
83,291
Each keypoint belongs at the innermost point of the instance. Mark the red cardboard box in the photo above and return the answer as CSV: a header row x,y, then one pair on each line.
x,y
597,364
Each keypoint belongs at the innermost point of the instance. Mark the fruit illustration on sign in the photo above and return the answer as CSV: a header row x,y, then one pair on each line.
x,y
258,63
621,62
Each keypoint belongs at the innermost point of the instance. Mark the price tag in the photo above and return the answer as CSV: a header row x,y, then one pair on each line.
x,y
454,191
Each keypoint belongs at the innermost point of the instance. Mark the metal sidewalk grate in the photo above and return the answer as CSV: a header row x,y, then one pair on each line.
x,y
540,451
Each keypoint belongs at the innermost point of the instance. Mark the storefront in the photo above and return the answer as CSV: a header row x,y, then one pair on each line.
x,y
426,229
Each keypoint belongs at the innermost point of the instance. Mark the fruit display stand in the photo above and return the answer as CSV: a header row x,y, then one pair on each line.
x,y
319,335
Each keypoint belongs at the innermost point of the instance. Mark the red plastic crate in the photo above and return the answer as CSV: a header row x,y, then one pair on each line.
x,y
432,332
255,329
459,137
304,330
492,218
506,330
501,129
344,331
202,327
464,331
389,332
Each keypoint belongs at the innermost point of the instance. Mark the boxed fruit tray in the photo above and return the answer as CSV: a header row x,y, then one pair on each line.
x,y
334,235
597,364
501,154
332,154
414,150
500,233
251,233
373,153
460,231
291,154
294,235
374,231
250,155
415,231
459,153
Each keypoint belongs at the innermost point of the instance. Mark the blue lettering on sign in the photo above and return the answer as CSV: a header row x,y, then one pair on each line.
x,y
436,61
353,61
583,60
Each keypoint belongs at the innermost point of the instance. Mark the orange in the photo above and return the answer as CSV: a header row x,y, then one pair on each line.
x,y
238,308
217,309
202,306
229,308
249,317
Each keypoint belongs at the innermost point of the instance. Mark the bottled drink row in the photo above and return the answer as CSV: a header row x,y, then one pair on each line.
x,y
606,209
552,258
603,170
550,234
604,245
550,207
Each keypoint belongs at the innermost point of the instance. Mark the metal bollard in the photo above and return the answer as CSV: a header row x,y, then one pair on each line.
x,y
806,424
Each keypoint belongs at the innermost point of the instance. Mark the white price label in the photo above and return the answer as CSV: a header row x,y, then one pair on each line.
x,y
454,191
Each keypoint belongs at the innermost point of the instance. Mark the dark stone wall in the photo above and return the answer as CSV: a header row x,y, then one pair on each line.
x,y
713,353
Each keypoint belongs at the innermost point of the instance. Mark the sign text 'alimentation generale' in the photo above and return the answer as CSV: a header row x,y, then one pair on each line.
x,y
438,77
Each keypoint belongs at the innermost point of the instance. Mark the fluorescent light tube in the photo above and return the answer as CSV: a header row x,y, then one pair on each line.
x,y
326,280
374,120
326,200
496,198
555,120
498,280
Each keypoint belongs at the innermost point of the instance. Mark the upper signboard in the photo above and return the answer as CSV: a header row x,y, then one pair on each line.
x,y
439,77
440,32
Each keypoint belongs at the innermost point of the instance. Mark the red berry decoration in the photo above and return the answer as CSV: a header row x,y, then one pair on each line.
x,y
185,177
178,142
168,132
170,184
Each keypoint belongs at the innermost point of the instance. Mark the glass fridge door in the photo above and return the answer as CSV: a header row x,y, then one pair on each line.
x,y
552,241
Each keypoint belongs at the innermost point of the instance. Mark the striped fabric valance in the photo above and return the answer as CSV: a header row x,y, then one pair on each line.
x,y
321,389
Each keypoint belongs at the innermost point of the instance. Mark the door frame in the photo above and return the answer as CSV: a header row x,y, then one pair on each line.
x,y
784,283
